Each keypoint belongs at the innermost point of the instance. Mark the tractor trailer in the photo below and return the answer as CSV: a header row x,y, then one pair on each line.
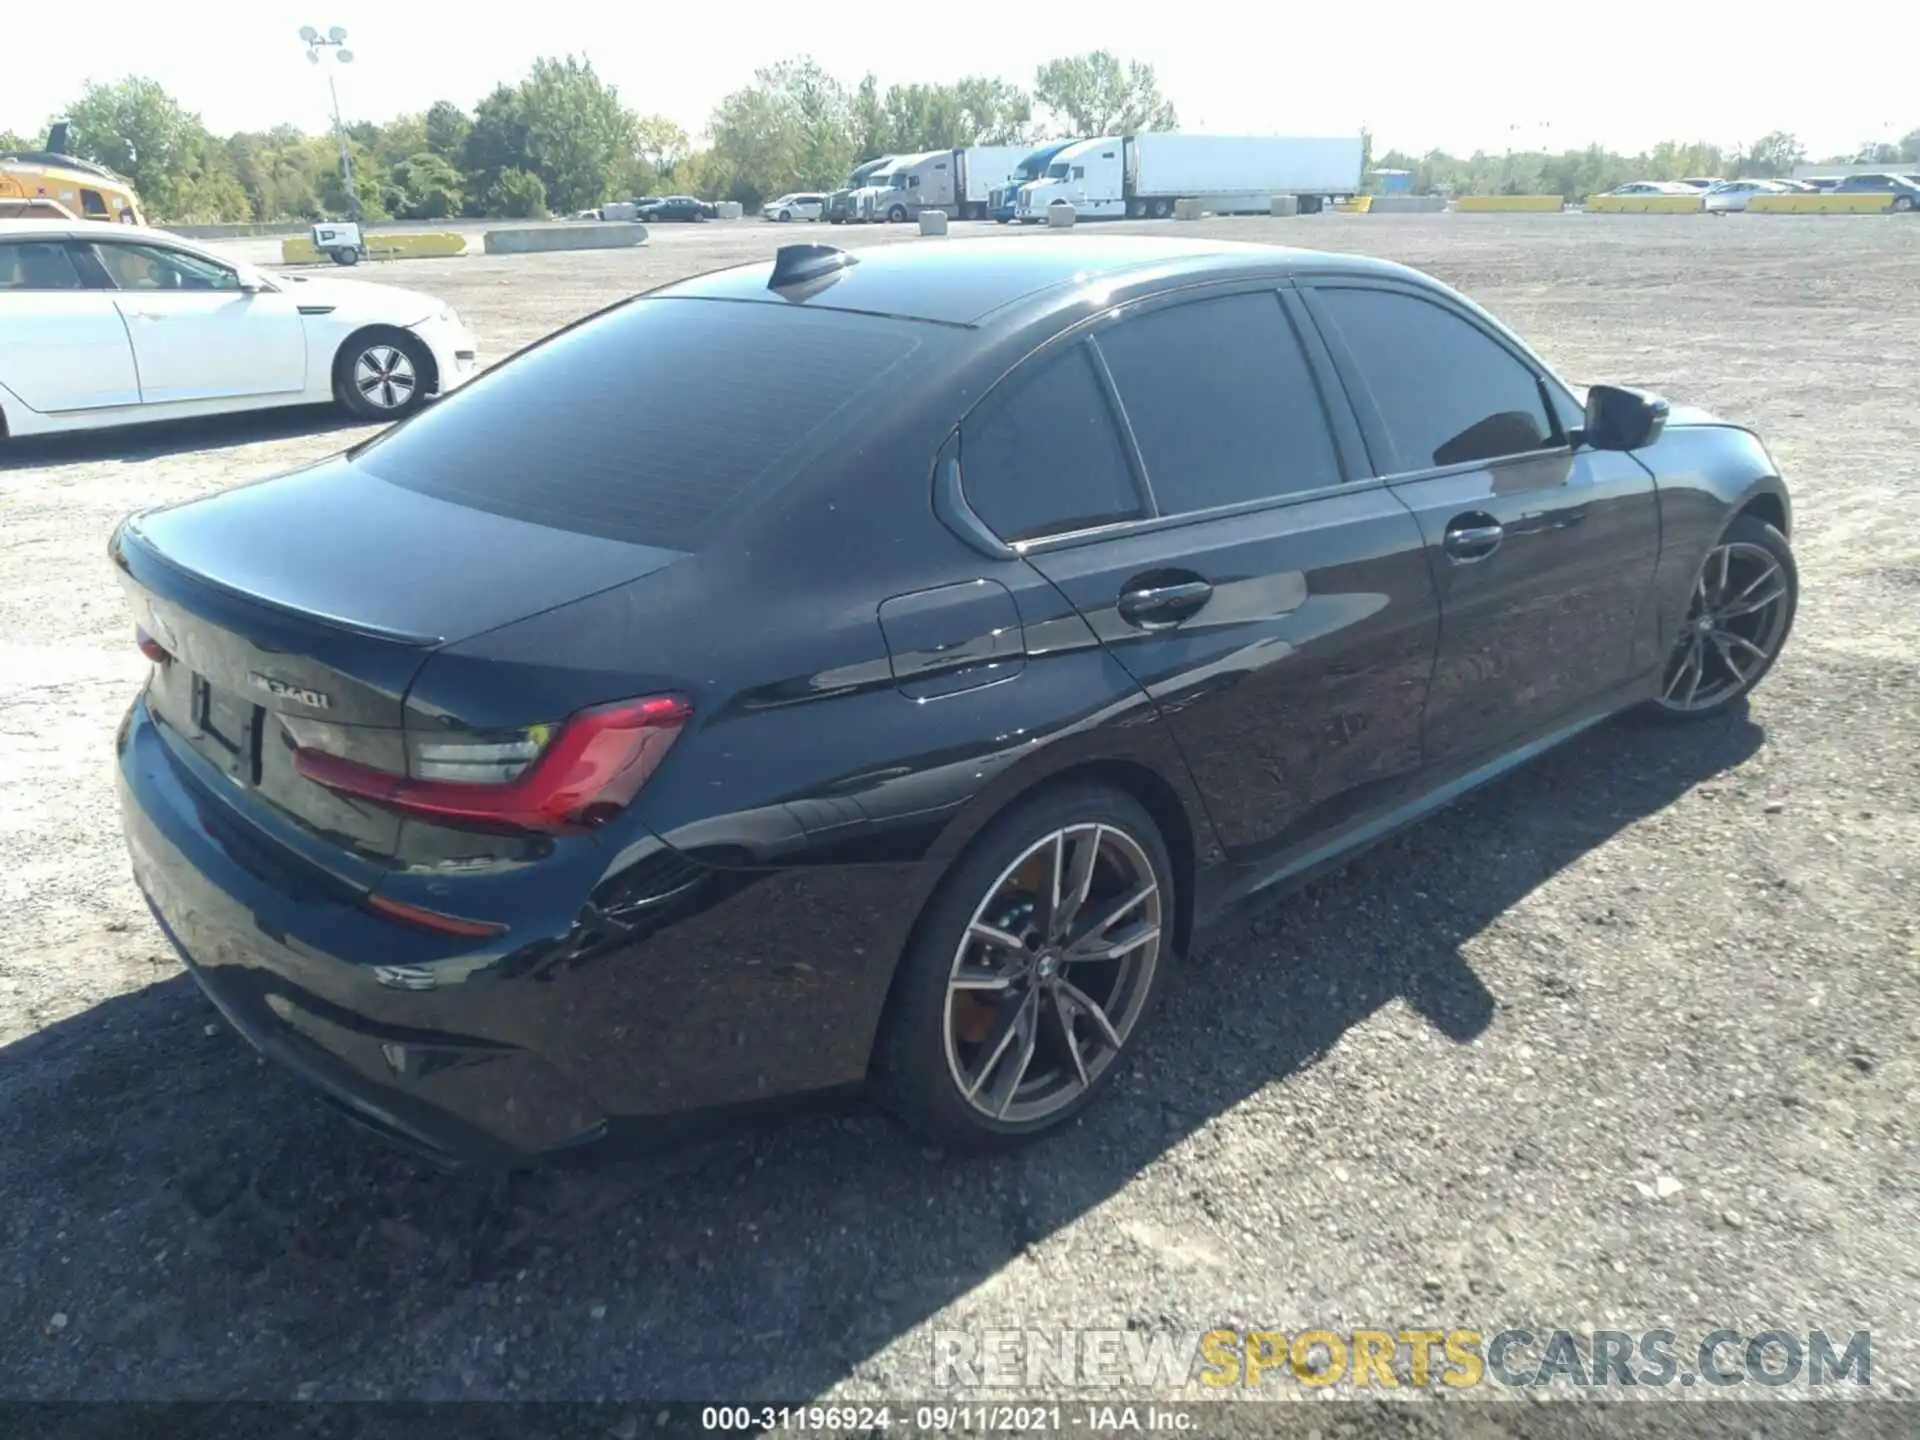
x,y
1140,176
1002,201
839,208
958,181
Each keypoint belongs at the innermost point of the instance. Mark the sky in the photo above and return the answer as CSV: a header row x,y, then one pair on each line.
x,y
1491,75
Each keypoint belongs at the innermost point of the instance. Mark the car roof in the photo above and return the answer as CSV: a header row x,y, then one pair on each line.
x,y
963,282
92,230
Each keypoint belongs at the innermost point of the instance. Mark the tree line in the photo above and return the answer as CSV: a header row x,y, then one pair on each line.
x,y
562,139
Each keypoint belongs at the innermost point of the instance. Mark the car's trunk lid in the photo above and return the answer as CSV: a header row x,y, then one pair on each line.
x,y
312,601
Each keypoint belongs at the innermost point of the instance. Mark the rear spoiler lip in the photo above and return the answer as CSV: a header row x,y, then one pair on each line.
x,y
131,552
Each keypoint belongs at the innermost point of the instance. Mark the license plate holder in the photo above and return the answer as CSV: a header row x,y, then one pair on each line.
x,y
232,724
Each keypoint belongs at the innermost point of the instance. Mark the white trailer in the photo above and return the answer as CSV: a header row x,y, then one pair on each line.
x,y
1140,176
958,181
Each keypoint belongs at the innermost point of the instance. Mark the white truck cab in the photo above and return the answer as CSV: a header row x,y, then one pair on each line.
x,y
1090,176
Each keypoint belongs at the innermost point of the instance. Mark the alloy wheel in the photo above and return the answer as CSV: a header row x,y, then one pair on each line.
x,y
1735,626
1052,973
385,377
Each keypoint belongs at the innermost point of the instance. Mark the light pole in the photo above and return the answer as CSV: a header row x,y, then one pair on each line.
x,y
335,40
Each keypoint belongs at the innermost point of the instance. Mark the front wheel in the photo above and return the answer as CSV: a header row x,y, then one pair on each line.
x,y
784,216
897,215
1031,972
1738,618
1903,202
382,374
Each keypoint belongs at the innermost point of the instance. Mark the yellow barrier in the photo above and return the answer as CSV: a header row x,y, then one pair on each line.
x,y
1483,204
412,245
1643,204
1358,205
1805,204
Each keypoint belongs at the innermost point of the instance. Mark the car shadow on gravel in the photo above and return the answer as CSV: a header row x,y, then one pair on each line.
x,y
183,1220
137,444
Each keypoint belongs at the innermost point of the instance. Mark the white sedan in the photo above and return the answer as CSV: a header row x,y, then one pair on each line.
x,y
806,206
104,324
1735,194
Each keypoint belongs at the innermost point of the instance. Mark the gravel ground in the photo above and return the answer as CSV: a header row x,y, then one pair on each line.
x,y
1627,1040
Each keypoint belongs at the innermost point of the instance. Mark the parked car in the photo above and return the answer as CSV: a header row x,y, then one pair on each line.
x,y
677,207
1732,195
109,324
1701,183
808,206
1653,187
729,761
1901,193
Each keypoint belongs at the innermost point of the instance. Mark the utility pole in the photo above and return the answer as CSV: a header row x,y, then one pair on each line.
x,y
335,41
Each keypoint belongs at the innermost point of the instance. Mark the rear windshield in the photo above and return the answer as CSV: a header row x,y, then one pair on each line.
x,y
652,423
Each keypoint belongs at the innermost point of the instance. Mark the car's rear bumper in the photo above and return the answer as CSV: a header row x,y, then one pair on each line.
x,y
752,990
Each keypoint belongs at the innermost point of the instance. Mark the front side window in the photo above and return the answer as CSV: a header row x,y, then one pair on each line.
x,y
38,265
1046,459
1445,391
154,267
1222,403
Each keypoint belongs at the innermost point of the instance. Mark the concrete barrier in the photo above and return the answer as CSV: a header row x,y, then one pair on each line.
x,y
537,239
417,245
1504,204
727,210
1408,205
1809,204
1644,205
933,222
1284,205
1357,205
1060,216
1188,209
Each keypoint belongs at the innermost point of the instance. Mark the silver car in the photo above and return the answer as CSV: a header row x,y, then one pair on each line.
x,y
1731,195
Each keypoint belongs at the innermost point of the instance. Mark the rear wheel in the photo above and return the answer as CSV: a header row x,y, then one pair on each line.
x,y
1739,617
1903,202
1031,973
382,374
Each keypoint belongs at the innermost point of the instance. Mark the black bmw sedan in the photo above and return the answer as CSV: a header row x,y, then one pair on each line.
x,y
875,670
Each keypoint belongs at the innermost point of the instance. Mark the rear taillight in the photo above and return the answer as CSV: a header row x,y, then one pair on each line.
x,y
570,777
150,647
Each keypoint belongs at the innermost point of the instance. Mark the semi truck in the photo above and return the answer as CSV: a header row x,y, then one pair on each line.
x,y
1033,165
1140,176
839,202
959,181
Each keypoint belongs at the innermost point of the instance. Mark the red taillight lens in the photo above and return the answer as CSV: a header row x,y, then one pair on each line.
x,y
150,647
595,765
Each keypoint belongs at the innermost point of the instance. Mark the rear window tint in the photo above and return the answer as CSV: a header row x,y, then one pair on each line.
x,y
650,424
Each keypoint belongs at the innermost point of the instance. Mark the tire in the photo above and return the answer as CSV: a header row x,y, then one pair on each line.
x,y
897,215
933,1036
1698,681
346,255
784,216
382,374
1902,202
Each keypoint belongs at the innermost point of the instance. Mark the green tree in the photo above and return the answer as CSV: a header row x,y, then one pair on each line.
x,y
280,171
370,184
659,146
1775,153
791,129
399,139
136,128
517,195
447,126
495,142
867,122
425,187
1095,94
579,136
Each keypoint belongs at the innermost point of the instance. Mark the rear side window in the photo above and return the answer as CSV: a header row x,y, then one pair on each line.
x,y
1445,390
652,424
1221,402
1046,459
37,265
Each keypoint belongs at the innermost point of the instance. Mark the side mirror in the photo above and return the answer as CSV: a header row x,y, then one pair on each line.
x,y
1622,418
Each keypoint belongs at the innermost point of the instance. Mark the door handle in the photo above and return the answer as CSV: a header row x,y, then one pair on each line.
x,y
1161,604
1473,536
